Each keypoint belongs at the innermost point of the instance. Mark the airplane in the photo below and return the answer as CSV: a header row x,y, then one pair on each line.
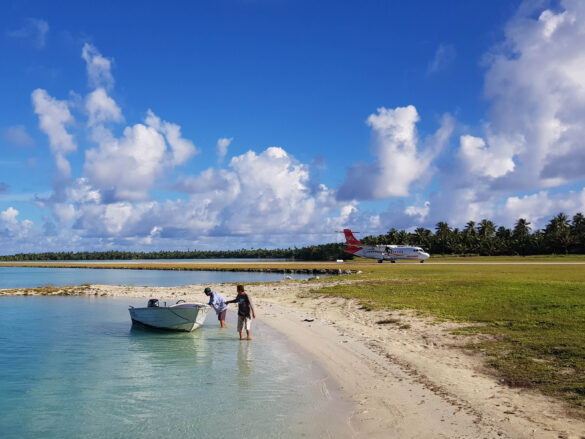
x,y
383,252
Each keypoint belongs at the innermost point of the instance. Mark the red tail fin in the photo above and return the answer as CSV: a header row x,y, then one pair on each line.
x,y
349,238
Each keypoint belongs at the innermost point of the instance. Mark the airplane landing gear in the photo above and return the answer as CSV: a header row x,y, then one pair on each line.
x,y
380,261
421,262
393,261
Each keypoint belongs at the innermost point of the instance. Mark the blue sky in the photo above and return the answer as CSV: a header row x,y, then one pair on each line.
x,y
272,123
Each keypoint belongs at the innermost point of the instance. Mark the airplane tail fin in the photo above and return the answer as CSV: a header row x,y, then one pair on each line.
x,y
350,239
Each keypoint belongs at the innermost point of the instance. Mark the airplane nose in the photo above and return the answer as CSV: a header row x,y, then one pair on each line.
x,y
425,255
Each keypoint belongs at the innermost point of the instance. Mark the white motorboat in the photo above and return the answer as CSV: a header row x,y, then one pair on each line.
x,y
178,317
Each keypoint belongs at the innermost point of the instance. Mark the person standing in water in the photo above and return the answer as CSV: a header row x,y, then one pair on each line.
x,y
218,302
245,312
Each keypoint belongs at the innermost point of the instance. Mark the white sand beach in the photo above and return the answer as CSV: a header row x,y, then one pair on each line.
x,y
410,378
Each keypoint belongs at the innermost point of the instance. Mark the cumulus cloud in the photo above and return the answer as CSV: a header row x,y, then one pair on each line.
x,y
532,139
399,159
64,212
259,194
98,68
18,136
11,227
480,160
102,108
34,29
53,116
537,88
537,208
222,146
182,149
127,167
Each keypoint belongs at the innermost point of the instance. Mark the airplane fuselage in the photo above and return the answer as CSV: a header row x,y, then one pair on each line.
x,y
383,252
390,253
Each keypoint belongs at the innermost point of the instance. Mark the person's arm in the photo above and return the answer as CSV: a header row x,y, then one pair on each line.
x,y
231,301
251,307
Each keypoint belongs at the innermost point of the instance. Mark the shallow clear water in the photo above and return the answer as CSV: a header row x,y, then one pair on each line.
x,y
74,367
29,277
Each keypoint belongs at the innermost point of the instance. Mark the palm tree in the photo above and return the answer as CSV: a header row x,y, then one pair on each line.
x,y
521,235
422,237
486,231
470,238
443,231
470,228
558,233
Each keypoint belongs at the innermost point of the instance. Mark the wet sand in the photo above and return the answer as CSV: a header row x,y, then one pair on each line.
x,y
409,378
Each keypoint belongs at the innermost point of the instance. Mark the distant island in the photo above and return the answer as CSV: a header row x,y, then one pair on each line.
x,y
324,252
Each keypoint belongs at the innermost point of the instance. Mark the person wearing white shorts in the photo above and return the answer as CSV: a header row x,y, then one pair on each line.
x,y
245,312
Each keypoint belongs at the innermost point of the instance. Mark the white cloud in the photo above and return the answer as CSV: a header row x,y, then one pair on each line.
x,y
222,146
480,160
533,138
64,212
400,162
182,149
273,193
53,116
13,229
420,212
34,29
17,135
128,166
538,208
98,68
537,88
102,108
260,194
9,215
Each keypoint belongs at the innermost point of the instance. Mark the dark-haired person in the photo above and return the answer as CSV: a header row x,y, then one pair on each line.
x,y
245,311
217,301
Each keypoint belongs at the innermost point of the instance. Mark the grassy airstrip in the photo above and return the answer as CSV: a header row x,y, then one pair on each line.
x,y
533,307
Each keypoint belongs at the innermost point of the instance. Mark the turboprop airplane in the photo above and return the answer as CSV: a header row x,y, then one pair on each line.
x,y
383,252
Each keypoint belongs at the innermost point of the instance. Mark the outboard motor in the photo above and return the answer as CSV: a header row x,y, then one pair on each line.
x,y
152,303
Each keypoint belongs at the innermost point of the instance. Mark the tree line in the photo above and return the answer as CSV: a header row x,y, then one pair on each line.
x,y
322,252
560,236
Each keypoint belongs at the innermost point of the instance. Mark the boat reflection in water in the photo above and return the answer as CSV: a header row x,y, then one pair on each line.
x,y
178,317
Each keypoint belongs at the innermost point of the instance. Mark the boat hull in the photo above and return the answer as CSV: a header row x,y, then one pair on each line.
x,y
184,317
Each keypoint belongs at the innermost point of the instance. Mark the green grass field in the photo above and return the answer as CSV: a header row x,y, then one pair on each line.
x,y
535,312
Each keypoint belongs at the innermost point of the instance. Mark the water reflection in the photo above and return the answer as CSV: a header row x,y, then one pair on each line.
x,y
245,363
162,348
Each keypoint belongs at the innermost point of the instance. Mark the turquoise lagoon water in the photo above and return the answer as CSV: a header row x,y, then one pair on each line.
x,y
74,367
29,277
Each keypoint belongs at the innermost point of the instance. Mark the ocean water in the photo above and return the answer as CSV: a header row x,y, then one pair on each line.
x,y
75,367
29,277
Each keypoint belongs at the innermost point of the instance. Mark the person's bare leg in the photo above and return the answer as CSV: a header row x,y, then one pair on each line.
x,y
222,323
241,338
248,334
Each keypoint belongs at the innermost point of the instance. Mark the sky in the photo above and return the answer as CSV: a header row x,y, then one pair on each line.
x,y
146,126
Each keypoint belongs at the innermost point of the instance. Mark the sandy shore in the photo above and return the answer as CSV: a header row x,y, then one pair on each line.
x,y
409,378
